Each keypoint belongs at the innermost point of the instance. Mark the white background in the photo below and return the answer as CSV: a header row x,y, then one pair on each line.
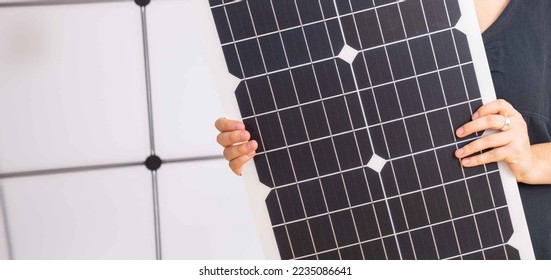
x,y
72,93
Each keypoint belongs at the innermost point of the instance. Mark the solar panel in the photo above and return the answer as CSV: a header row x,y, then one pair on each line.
x,y
354,104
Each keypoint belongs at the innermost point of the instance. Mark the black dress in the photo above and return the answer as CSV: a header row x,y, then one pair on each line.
x,y
518,46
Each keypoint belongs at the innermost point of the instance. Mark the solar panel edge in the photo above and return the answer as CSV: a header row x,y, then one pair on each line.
x,y
226,84
521,237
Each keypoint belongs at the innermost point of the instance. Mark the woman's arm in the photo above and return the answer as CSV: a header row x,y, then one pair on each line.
x,y
540,173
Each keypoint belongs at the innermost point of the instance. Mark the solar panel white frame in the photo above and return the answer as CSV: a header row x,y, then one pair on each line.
x,y
258,192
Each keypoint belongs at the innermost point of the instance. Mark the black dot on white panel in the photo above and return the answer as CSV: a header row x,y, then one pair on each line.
x,y
142,3
354,104
153,163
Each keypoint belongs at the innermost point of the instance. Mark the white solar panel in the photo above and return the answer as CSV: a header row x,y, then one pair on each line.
x,y
90,215
76,131
63,104
355,104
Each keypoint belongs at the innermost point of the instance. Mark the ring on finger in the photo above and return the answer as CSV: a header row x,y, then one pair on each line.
x,y
506,124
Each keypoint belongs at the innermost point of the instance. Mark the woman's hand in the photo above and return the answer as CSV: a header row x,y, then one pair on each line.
x,y
238,150
510,144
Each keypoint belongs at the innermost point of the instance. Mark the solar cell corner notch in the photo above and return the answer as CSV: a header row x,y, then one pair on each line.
x,y
348,54
376,163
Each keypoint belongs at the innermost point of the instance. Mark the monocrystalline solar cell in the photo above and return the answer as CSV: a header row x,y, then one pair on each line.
x,y
355,104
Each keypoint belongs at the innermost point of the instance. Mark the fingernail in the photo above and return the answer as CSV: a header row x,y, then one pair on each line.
x,y
239,126
466,161
460,131
250,145
243,136
475,116
459,152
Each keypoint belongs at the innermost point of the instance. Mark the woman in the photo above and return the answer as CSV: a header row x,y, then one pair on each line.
x,y
517,38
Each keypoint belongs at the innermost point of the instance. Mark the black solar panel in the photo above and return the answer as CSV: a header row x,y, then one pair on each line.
x,y
354,104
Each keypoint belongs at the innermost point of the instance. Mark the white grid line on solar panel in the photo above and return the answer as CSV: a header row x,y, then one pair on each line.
x,y
269,166
487,177
430,132
466,92
317,172
341,84
355,142
407,133
424,189
380,125
316,22
413,245
448,258
346,102
311,151
339,16
284,138
427,214
474,215
410,148
335,56
461,65
237,1
310,23
367,165
310,147
471,109
408,155
334,52
381,31
449,117
464,141
483,250
307,134
427,121
328,124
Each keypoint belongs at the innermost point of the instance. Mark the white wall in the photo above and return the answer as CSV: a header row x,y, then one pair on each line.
x,y
73,94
